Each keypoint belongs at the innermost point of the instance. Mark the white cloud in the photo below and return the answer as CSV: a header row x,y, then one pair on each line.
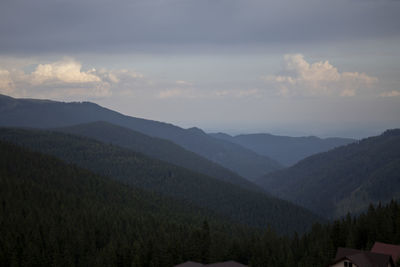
x,y
191,93
185,83
392,93
180,89
66,78
6,83
188,90
65,71
238,93
121,76
178,93
320,78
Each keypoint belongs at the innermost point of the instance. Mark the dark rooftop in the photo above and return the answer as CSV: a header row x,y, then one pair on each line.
x,y
189,264
389,249
363,258
217,264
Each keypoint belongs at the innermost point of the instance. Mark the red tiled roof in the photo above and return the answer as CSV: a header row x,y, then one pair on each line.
x,y
388,249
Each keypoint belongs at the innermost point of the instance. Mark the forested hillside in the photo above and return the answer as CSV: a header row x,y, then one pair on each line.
x,y
54,214
346,179
35,113
318,247
156,148
250,207
286,150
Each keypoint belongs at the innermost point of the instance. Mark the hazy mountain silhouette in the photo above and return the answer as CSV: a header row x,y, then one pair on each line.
x,y
156,148
284,149
250,207
345,179
50,114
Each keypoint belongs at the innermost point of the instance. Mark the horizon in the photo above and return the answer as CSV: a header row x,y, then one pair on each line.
x,y
236,131
282,67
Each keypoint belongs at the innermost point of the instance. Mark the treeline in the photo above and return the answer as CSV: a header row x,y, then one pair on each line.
x,y
55,214
380,223
318,246
242,205
156,148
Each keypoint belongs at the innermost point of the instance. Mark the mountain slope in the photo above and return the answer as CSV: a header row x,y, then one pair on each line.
x,y
284,149
228,200
346,179
156,148
55,214
51,114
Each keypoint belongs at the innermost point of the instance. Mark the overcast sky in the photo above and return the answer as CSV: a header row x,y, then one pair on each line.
x,y
239,66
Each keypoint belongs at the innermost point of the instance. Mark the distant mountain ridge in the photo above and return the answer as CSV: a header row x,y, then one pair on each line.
x,y
51,114
345,179
233,202
284,149
156,148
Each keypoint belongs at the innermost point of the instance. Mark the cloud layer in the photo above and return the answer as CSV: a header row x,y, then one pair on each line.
x,y
6,83
67,71
28,26
299,77
392,93
66,79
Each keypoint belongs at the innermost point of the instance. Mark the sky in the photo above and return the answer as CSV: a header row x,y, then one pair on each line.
x,y
293,67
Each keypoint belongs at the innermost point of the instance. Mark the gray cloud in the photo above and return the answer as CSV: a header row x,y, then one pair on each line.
x,y
141,25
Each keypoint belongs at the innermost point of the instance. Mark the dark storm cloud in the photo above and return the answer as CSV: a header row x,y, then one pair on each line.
x,y
28,26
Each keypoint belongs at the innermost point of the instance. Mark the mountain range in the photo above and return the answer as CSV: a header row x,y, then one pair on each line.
x,y
345,179
153,147
57,214
52,114
284,149
231,175
238,204
54,213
